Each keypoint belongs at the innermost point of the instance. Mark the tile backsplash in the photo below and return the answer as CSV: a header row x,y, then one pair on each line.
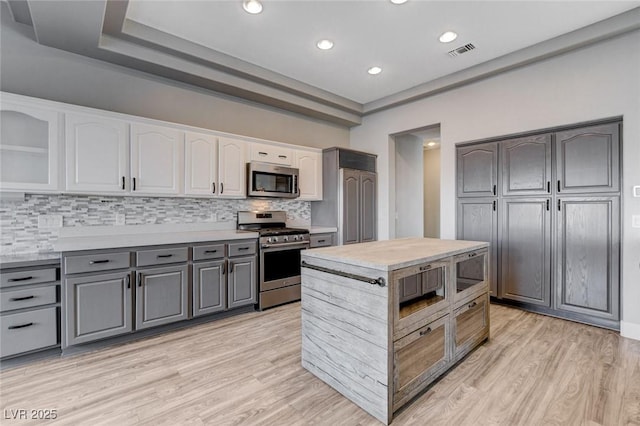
x,y
19,230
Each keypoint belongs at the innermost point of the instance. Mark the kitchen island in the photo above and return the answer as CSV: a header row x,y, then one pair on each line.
x,y
382,320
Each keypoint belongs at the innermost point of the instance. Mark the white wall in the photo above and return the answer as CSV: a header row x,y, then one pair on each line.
x,y
432,193
595,82
409,181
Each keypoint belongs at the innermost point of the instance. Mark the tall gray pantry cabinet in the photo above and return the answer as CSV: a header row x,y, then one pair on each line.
x,y
350,195
549,204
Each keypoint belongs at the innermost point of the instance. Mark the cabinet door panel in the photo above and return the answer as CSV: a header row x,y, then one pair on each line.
x,y
97,307
156,159
161,296
350,206
477,170
242,282
232,168
588,256
478,221
309,165
209,288
201,164
97,151
526,250
526,166
368,207
589,159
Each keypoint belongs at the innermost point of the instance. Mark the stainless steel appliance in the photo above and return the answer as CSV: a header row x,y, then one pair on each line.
x,y
271,180
350,195
279,249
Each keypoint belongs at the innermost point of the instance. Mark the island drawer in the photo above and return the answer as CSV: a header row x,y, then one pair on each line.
x,y
27,297
471,324
96,262
418,357
27,331
241,249
471,274
162,256
32,276
212,251
320,240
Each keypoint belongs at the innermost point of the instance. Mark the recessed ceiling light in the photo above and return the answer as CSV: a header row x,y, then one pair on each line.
x,y
431,143
398,1
252,6
448,37
324,44
374,70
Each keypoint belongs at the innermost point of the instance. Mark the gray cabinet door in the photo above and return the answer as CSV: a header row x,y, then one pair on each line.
x,y
588,256
478,221
525,261
588,159
477,170
161,296
350,201
368,207
526,165
209,287
242,282
97,307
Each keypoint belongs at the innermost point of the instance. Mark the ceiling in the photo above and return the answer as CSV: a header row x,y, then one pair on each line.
x,y
271,57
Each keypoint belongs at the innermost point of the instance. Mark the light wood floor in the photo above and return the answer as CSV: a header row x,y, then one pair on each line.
x,y
535,370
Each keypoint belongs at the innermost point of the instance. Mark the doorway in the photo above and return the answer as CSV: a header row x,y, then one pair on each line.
x,y
417,183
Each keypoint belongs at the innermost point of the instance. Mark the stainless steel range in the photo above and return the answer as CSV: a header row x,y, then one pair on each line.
x,y
279,255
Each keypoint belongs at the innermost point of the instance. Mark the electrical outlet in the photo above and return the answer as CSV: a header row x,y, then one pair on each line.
x,y
635,221
213,217
49,221
636,191
120,219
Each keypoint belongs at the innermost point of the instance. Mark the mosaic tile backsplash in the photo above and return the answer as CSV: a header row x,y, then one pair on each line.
x,y
19,231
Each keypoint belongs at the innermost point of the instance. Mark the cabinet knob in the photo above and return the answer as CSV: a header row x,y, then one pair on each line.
x,y
424,332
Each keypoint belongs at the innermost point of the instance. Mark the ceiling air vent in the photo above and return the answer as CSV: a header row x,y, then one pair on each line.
x,y
462,49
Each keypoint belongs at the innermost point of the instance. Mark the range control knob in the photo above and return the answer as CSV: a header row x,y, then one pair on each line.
x,y
285,238
296,237
275,239
269,239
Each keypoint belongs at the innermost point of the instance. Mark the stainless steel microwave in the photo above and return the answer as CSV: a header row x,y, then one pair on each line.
x,y
271,180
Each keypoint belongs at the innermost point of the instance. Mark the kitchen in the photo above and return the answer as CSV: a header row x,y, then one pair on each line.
x,y
590,83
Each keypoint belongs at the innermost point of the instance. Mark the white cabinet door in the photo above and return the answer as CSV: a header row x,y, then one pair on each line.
x,y
309,164
97,152
201,163
156,160
28,147
232,168
271,154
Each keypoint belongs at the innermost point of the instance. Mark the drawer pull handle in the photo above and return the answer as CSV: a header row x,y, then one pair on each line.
x,y
164,256
473,254
13,280
472,305
425,268
243,248
95,262
17,299
13,327
262,153
211,251
321,241
424,332
282,156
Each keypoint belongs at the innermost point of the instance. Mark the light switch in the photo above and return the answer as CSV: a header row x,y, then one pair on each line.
x,y
636,191
49,221
635,221
120,219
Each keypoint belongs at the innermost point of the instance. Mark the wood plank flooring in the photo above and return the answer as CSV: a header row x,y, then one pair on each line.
x,y
535,370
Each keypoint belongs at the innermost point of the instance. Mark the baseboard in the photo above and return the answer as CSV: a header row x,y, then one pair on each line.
x,y
630,330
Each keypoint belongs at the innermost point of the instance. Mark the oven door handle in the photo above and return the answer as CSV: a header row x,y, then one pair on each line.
x,y
304,245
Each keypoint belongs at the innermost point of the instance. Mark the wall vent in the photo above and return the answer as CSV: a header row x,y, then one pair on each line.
x,y
461,50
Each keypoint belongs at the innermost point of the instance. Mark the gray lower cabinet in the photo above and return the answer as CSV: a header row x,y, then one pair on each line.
x,y
242,283
209,287
321,240
478,221
97,307
588,258
525,238
526,165
477,167
161,296
359,206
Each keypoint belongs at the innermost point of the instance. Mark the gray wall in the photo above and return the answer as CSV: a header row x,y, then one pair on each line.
x,y
591,83
432,193
28,68
408,189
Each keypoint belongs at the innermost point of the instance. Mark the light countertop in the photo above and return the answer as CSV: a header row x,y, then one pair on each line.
x,y
29,259
393,254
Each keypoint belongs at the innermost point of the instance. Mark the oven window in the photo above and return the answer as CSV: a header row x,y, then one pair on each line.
x,y
271,182
281,264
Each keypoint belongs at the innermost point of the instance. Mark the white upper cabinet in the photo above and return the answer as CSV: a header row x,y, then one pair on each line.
x,y
97,153
309,164
271,154
201,164
28,147
232,168
157,160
